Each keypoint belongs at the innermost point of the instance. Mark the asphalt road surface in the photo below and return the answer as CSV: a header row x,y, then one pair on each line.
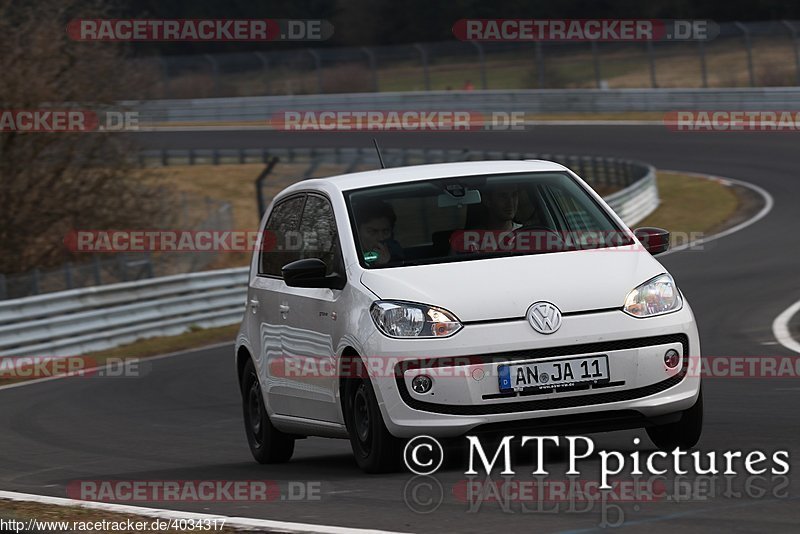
x,y
181,420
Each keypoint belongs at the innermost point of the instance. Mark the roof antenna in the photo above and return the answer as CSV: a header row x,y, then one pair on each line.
x,y
378,150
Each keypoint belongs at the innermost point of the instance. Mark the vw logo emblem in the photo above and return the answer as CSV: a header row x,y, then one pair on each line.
x,y
544,317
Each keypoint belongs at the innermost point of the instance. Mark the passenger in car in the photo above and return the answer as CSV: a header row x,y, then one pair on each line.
x,y
497,210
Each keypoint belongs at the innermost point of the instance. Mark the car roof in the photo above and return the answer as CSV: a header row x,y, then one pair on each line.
x,y
413,173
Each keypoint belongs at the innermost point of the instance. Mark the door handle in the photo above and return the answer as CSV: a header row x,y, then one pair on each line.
x,y
254,305
284,308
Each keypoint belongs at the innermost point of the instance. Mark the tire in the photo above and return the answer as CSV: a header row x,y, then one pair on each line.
x,y
375,449
267,444
683,434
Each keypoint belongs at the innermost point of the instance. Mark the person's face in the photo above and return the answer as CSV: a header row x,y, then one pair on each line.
x,y
375,231
503,203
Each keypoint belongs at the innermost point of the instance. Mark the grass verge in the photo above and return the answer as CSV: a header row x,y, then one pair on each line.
x,y
692,205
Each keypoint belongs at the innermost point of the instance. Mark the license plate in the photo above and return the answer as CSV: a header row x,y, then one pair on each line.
x,y
554,374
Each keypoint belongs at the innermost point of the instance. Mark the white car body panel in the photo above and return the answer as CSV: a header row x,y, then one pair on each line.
x,y
590,286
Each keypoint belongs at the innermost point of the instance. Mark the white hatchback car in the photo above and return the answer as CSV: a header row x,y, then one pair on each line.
x,y
459,298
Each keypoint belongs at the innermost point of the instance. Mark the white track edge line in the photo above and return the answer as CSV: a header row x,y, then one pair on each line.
x,y
780,328
158,513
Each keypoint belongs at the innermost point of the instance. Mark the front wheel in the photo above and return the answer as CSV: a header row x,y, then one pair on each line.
x,y
683,434
375,449
267,444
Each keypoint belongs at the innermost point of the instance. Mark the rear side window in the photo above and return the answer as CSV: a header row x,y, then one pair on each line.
x,y
282,228
318,233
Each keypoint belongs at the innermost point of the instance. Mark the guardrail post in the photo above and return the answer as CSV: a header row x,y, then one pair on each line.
x,y
651,58
423,54
3,287
68,275
796,48
148,266
122,268
373,67
262,57
701,45
749,47
582,166
596,63
164,157
482,63
318,67
355,162
214,73
165,75
35,282
540,64
596,178
262,205
96,270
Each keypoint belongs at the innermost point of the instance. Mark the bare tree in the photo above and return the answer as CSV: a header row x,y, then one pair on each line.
x,y
54,182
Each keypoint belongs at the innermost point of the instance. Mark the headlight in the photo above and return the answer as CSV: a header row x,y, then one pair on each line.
x,y
406,319
655,297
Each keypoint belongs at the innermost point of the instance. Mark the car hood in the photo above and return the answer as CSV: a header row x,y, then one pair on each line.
x,y
504,288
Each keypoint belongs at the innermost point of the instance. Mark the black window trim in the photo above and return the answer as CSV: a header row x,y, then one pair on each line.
x,y
327,197
283,200
304,193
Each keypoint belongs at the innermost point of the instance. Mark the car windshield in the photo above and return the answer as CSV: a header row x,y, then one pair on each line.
x,y
477,217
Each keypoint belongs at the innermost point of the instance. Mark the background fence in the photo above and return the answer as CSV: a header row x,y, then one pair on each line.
x,y
750,54
79,321
258,111
107,268
631,186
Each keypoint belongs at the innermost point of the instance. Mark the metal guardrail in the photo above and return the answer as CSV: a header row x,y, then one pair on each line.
x,y
260,110
80,321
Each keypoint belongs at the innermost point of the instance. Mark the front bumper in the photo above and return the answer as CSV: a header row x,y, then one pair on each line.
x,y
466,395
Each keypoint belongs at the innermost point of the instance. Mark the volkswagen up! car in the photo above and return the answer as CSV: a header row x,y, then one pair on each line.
x,y
459,298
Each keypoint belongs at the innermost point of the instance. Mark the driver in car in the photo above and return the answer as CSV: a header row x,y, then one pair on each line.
x,y
376,232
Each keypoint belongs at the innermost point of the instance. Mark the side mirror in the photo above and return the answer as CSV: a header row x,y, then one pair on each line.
x,y
654,240
310,272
